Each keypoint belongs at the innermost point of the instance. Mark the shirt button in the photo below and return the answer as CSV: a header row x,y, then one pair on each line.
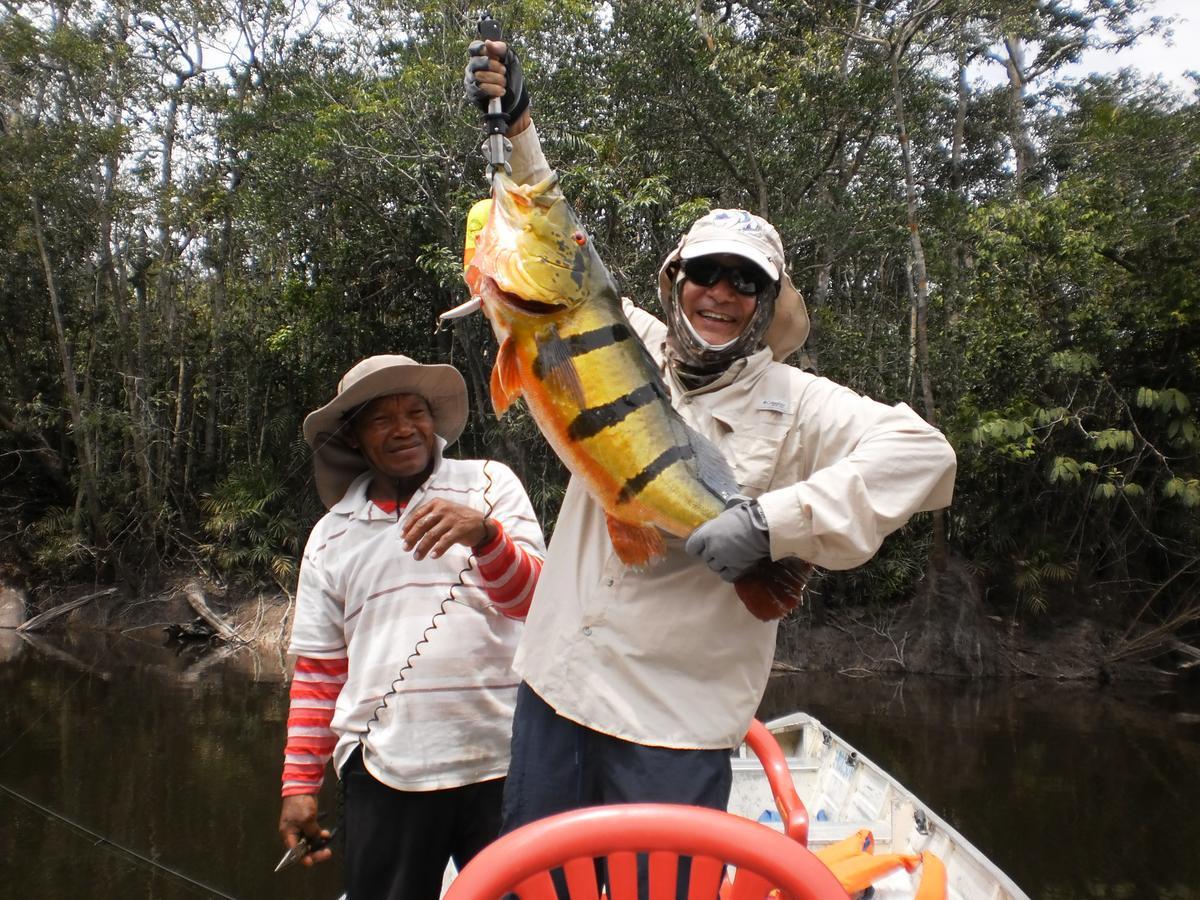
x,y
587,630
608,582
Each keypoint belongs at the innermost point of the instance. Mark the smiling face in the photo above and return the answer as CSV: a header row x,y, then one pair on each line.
x,y
395,435
717,312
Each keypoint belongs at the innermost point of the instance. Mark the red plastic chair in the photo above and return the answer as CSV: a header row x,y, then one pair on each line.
x,y
770,755
520,862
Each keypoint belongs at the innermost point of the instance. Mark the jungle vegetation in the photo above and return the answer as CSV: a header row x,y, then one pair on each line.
x,y
209,209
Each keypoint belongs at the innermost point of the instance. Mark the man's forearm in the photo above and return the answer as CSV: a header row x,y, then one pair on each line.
x,y
316,685
528,163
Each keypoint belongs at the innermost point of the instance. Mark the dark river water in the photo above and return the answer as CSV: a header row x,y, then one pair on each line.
x,y
174,758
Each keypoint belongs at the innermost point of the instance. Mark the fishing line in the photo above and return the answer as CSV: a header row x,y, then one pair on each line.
x,y
43,714
101,840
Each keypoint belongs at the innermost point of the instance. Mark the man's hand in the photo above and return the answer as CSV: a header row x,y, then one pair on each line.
x,y
732,543
494,71
434,527
299,818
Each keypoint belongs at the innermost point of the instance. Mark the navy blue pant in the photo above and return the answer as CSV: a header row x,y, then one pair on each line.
x,y
558,765
398,842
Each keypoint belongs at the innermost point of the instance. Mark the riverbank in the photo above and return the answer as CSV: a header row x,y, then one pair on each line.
x,y
946,632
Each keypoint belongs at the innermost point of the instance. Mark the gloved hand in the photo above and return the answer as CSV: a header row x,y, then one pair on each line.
x,y
734,542
515,99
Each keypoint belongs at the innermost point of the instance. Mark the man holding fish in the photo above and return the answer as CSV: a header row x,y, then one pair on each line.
x,y
708,477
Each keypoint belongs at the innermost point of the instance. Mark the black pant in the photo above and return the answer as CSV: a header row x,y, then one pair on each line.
x,y
398,842
558,765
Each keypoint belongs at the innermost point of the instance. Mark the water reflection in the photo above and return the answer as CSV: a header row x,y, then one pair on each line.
x,y
1076,793
167,754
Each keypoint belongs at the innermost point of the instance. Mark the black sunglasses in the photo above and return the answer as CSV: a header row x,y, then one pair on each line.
x,y
745,278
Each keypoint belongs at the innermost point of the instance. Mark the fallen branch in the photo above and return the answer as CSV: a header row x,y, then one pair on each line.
x,y
42,618
192,673
1189,651
197,602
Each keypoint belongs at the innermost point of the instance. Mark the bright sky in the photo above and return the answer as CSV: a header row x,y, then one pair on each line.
x,y
1156,55
1169,57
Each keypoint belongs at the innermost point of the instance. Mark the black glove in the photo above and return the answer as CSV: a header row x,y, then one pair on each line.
x,y
516,98
734,542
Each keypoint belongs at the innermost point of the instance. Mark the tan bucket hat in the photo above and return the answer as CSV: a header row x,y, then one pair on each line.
x,y
335,463
744,234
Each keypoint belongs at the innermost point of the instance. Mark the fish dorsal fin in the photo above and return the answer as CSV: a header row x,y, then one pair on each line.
x,y
556,367
506,378
710,466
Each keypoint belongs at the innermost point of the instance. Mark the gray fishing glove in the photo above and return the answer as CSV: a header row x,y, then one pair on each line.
x,y
516,98
734,542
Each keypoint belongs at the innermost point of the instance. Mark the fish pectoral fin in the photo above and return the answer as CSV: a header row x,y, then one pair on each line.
x,y
506,377
636,545
771,590
557,367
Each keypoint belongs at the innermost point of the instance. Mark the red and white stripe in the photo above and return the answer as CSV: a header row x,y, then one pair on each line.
x,y
316,684
509,573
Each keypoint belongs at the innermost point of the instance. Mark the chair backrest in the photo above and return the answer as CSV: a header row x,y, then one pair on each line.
x,y
520,862
783,788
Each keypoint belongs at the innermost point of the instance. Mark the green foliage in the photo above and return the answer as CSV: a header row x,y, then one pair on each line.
x,y
254,524
313,214
58,544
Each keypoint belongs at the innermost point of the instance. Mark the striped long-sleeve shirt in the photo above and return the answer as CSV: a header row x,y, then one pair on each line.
x,y
507,573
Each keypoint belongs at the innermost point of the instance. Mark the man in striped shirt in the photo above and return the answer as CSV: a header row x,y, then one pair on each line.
x,y
413,589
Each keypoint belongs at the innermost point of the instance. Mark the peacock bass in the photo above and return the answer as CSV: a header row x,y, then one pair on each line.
x,y
593,389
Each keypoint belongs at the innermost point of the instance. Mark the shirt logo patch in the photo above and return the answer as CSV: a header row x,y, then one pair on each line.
x,y
773,405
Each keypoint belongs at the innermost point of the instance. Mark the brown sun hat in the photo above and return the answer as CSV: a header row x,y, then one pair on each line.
x,y
335,463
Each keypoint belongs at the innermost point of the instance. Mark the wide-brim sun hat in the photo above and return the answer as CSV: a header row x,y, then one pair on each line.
x,y
741,233
335,463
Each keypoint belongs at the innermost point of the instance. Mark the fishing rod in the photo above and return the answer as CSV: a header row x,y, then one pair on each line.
x,y
100,840
496,147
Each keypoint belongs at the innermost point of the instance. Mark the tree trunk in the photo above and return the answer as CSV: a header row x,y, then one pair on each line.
x,y
1023,152
958,247
183,414
87,470
937,557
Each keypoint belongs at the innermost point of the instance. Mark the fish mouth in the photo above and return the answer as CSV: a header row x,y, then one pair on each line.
x,y
524,304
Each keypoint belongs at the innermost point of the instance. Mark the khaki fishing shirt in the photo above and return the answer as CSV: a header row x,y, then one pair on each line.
x,y
668,656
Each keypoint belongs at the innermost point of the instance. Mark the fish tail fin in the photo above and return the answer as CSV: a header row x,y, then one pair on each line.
x,y
636,545
772,589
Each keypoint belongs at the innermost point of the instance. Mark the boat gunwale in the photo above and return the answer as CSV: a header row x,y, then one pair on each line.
x,y
798,720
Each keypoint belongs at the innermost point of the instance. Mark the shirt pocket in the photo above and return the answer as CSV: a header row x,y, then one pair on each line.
x,y
753,446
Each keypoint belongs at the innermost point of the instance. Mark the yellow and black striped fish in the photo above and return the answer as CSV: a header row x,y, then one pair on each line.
x,y
593,389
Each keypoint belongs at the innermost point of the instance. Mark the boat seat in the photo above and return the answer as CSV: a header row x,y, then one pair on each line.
x,y
822,833
766,863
